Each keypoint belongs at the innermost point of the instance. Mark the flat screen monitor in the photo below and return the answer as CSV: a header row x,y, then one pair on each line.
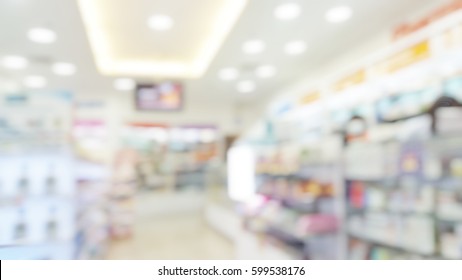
x,y
166,96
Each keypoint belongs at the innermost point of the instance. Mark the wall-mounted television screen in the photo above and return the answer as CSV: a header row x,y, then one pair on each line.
x,y
166,96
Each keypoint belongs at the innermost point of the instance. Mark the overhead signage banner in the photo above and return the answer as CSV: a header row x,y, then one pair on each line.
x,y
354,79
309,98
405,58
410,56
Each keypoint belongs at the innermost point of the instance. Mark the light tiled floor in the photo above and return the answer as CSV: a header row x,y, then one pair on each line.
x,y
171,236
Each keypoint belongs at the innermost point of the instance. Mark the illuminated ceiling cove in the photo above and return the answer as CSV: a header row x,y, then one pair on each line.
x,y
157,38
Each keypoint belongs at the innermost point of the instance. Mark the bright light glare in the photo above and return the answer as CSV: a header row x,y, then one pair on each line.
x,y
124,84
64,69
295,47
241,177
339,14
15,62
41,35
287,11
265,71
228,74
160,22
253,47
35,82
246,86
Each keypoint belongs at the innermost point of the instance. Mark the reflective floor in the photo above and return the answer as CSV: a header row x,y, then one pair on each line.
x,y
180,234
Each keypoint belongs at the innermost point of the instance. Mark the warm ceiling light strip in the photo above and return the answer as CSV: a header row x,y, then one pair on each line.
x,y
108,64
225,20
95,32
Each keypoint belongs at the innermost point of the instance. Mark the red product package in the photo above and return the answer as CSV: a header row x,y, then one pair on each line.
x,y
357,198
318,223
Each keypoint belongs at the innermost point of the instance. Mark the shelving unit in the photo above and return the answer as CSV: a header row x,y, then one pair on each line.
x,y
37,183
194,178
92,170
395,197
121,196
298,207
92,203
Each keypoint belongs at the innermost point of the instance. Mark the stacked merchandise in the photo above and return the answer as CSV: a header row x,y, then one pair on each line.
x,y
149,171
298,201
37,184
122,194
173,157
400,180
155,156
148,141
448,151
191,151
399,111
448,212
92,188
92,220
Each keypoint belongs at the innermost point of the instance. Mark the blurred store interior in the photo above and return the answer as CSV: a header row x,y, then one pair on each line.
x,y
230,129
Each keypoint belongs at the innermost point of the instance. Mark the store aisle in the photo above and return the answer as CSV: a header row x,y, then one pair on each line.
x,y
180,234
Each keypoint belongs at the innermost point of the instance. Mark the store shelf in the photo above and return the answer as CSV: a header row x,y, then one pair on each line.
x,y
405,118
353,211
387,181
286,237
299,206
392,246
61,242
449,220
294,176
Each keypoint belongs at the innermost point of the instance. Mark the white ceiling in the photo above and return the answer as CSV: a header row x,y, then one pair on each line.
x,y
125,44
325,41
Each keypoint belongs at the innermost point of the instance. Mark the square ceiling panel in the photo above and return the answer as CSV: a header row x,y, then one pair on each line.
x,y
124,45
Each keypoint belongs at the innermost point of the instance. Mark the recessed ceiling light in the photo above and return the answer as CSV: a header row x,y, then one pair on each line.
x,y
265,71
35,82
339,14
160,22
253,46
287,11
124,84
14,62
41,35
295,47
246,86
228,74
64,69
